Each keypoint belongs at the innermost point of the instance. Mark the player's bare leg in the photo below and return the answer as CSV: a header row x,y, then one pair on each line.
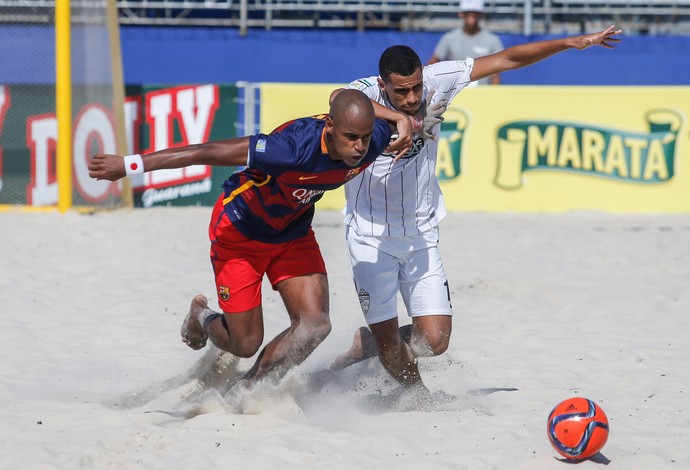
x,y
363,347
395,354
238,333
193,335
429,335
306,300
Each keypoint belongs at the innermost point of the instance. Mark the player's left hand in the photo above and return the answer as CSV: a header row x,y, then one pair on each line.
x,y
603,38
106,167
433,114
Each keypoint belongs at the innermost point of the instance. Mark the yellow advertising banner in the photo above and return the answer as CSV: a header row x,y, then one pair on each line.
x,y
544,149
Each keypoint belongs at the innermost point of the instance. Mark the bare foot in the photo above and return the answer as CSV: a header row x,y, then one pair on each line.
x,y
193,335
363,347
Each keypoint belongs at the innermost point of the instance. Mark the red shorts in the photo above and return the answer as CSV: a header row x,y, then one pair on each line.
x,y
239,263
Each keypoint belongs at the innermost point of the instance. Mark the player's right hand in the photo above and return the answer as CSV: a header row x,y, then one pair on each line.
x,y
605,38
401,141
104,166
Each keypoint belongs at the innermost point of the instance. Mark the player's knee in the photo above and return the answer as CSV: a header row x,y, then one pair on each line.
x,y
247,345
431,344
439,346
319,327
311,329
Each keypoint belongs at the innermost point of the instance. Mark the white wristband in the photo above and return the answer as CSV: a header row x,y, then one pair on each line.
x,y
134,165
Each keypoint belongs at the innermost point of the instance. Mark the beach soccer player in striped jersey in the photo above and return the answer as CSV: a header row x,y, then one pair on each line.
x,y
393,209
261,224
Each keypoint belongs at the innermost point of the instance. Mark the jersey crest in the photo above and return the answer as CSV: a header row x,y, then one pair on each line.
x,y
352,173
417,145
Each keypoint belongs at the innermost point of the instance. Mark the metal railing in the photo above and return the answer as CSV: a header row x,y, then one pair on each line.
x,y
526,16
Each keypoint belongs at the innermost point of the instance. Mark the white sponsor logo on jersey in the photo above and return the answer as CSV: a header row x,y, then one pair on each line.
x,y
304,196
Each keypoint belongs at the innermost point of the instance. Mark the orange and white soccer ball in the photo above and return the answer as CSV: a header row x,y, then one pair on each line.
x,y
577,428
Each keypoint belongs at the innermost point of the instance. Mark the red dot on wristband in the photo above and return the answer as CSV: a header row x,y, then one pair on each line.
x,y
133,166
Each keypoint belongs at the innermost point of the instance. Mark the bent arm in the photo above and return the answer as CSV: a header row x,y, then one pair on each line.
x,y
403,125
402,122
380,111
229,152
526,54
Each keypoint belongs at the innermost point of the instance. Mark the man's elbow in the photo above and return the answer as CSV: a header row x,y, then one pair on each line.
x,y
334,93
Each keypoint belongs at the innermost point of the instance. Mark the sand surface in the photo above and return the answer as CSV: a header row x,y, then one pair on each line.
x,y
94,375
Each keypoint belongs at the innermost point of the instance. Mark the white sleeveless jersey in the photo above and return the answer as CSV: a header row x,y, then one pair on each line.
x,y
404,198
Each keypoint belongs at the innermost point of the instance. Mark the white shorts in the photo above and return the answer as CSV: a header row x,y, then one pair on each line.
x,y
382,266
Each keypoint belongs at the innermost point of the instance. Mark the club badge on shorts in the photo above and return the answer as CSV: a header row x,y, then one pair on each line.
x,y
224,293
364,299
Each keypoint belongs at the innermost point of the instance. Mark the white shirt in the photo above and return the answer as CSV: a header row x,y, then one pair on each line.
x,y
404,198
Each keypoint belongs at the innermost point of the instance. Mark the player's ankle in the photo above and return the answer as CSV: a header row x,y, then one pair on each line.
x,y
206,317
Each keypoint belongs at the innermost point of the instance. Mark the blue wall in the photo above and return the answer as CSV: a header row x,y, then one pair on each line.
x,y
334,56
221,55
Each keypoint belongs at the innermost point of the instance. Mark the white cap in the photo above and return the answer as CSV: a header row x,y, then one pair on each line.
x,y
472,5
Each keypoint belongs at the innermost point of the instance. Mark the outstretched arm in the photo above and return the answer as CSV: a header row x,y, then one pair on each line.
x,y
229,152
530,53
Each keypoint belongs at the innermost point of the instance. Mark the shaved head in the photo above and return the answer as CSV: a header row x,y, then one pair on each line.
x,y
349,127
352,105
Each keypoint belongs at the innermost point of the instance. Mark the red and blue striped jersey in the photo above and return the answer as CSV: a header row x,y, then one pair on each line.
x,y
272,199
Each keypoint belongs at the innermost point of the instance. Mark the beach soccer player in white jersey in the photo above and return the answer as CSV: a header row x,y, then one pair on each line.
x,y
394,206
